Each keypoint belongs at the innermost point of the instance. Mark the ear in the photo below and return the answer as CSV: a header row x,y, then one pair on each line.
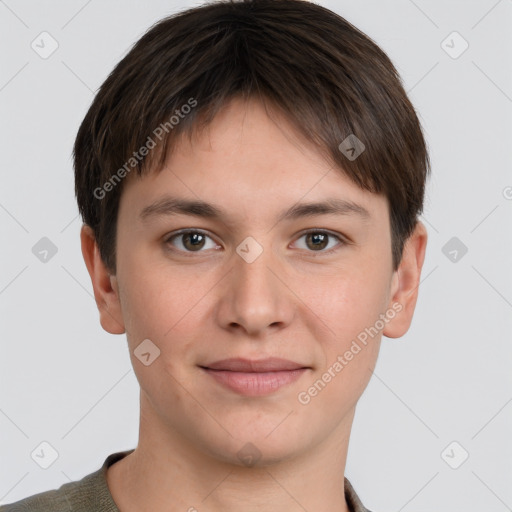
x,y
405,283
106,292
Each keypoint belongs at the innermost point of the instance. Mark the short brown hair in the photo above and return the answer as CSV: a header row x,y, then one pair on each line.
x,y
328,78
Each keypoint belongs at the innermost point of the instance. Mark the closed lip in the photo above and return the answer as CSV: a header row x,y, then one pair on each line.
x,y
239,364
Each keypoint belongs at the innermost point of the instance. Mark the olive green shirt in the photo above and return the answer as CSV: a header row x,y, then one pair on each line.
x,y
91,494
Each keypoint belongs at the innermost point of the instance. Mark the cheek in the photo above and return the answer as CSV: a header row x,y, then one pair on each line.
x,y
347,301
162,311
350,343
161,303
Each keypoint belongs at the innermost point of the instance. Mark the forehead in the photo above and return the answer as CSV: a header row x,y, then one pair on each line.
x,y
250,160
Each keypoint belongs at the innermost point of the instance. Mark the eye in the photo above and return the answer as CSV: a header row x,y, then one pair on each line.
x,y
317,240
191,241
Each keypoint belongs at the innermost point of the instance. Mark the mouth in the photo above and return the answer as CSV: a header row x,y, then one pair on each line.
x,y
255,377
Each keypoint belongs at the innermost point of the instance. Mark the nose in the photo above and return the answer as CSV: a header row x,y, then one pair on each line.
x,y
254,297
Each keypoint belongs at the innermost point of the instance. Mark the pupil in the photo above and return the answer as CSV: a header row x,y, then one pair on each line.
x,y
195,239
318,237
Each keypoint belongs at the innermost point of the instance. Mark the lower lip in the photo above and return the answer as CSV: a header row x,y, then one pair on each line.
x,y
254,383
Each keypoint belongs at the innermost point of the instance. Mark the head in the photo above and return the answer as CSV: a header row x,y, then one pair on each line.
x,y
220,120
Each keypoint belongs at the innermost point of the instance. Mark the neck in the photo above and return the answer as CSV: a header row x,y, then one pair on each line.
x,y
169,472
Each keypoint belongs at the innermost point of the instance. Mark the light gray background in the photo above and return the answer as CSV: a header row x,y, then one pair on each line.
x,y
67,382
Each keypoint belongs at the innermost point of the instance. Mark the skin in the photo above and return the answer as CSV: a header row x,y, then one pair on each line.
x,y
295,301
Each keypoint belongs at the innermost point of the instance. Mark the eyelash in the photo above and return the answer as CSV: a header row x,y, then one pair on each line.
x,y
340,239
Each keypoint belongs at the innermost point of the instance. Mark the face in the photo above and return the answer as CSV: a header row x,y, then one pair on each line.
x,y
241,279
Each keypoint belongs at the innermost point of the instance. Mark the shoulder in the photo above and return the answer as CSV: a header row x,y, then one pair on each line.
x,y
89,493
63,499
54,500
354,503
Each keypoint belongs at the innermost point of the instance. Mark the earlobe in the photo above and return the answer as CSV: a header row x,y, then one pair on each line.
x,y
405,283
105,288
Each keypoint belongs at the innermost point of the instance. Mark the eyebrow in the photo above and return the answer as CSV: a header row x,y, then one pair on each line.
x,y
167,206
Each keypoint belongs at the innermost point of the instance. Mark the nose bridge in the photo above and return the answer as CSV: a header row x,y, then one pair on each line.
x,y
254,277
256,298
